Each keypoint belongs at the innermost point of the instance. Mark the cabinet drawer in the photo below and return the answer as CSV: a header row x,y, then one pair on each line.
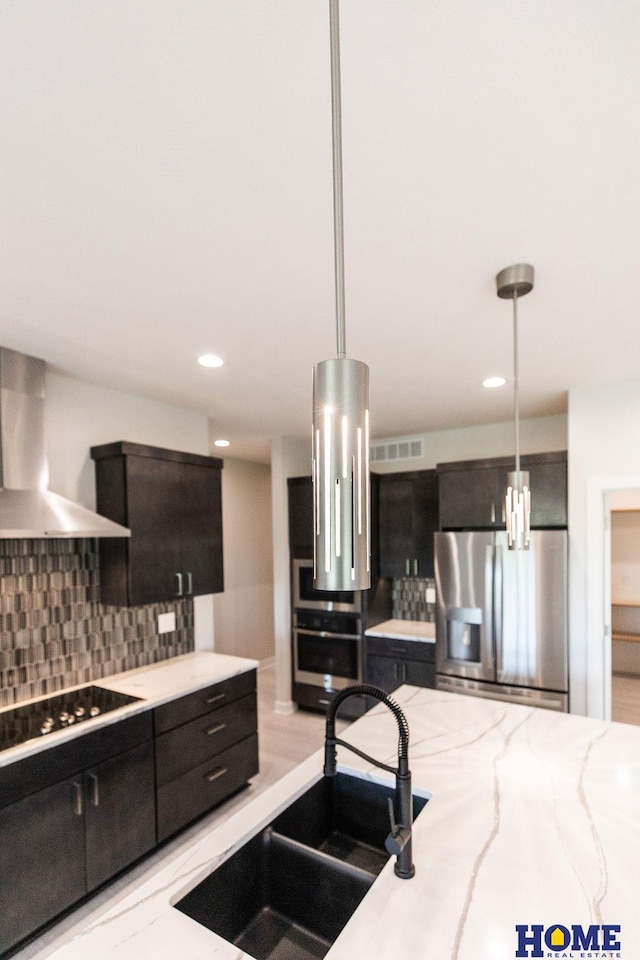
x,y
188,746
401,649
197,791
180,711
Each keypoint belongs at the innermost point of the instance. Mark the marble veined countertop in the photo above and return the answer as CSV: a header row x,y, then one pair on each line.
x,y
404,630
154,685
533,820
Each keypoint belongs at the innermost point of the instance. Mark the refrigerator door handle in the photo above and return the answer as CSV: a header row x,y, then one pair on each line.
x,y
489,609
498,583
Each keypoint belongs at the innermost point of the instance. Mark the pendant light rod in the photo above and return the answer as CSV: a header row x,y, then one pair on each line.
x,y
516,399
338,206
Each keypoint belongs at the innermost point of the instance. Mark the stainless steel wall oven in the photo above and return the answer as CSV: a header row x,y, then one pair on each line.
x,y
306,597
327,649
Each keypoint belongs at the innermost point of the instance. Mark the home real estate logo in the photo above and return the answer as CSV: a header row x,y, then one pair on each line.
x,y
595,941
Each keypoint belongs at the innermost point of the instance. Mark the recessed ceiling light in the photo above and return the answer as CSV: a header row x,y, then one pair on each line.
x,y
210,360
221,443
492,382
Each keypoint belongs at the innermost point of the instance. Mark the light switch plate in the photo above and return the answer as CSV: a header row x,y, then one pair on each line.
x,y
430,595
166,622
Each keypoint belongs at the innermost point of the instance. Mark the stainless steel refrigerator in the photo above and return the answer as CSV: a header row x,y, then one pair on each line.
x,y
501,617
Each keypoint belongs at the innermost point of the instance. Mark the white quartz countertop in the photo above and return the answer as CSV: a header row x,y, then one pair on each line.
x,y
154,685
404,630
533,819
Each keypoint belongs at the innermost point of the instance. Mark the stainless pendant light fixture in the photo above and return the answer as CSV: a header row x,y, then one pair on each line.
x,y
341,499
512,283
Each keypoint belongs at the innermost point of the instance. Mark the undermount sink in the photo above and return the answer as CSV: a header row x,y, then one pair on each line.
x,y
289,891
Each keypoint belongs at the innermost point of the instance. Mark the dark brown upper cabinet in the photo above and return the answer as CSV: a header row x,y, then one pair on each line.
x,y
408,518
172,503
472,492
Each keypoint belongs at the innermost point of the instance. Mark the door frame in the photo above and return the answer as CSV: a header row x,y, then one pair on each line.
x,y
598,603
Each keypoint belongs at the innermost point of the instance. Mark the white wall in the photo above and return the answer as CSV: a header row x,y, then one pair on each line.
x,y
243,614
604,455
538,435
289,458
82,415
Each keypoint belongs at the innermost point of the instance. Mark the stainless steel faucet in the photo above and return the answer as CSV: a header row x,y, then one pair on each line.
x,y
398,843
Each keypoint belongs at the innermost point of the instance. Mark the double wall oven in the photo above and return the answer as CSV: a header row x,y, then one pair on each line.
x,y
327,638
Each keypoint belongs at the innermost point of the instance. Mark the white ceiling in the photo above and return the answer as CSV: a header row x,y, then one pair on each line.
x,y
166,190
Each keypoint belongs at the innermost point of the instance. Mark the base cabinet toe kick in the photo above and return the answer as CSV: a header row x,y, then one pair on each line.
x,y
101,801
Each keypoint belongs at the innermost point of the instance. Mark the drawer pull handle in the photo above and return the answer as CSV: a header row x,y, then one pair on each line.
x,y
218,727
218,696
220,772
399,650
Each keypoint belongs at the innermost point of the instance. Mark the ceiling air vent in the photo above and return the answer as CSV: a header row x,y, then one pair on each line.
x,y
400,448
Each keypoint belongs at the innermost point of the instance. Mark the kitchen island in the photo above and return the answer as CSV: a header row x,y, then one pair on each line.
x,y
532,820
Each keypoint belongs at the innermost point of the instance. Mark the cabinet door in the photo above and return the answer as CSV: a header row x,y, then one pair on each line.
x,y
155,499
201,529
120,813
408,519
42,861
425,521
472,498
548,494
382,672
300,499
395,518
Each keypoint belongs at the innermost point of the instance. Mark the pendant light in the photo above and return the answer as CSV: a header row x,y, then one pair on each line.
x,y
340,447
512,283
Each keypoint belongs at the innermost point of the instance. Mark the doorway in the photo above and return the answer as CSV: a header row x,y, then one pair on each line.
x,y
624,507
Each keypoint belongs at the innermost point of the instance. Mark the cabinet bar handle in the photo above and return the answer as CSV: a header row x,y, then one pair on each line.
x,y
189,583
95,792
220,772
493,513
179,590
78,804
407,567
218,727
415,568
399,650
214,699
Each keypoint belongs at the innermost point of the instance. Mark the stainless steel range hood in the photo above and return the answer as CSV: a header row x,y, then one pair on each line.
x,y
27,508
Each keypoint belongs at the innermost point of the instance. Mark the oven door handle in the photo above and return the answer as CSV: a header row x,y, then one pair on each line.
x,y
326,634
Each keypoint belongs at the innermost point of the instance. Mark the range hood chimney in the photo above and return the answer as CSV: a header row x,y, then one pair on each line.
x,y
27,508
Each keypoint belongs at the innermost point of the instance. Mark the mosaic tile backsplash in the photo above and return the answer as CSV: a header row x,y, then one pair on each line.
x,y
54,632
408,597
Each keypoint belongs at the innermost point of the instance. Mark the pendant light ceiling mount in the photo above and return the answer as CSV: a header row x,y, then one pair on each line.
x,y
512,283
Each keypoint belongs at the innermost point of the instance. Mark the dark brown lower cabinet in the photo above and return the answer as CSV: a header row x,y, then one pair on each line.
x,y
390,663
206,748
75,815
119,813
42,864
62,841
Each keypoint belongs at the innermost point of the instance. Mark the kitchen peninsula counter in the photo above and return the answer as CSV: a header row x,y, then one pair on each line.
x,y
533,819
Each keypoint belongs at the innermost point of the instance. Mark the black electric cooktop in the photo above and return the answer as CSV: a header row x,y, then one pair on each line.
x,y
34,720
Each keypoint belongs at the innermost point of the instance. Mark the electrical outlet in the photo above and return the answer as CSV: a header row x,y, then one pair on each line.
x,y
166,622
430,595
